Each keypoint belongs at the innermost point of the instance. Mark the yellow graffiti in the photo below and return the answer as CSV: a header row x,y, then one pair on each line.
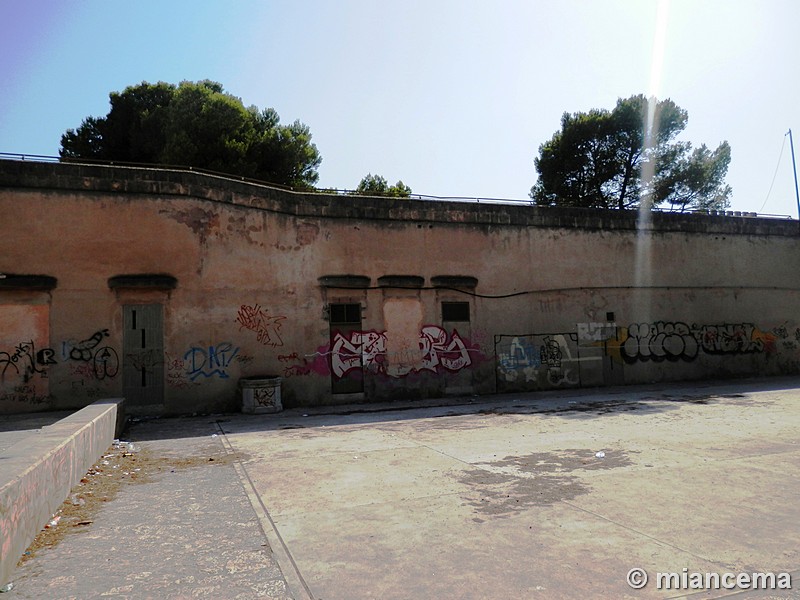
x,y
613,346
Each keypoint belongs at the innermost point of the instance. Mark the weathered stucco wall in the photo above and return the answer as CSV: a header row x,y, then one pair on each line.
x,y
546,297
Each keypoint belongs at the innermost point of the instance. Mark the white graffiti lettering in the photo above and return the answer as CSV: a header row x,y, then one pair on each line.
x,y
367,349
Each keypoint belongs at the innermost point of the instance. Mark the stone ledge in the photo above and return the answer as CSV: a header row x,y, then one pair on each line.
x,y
37,473
12,281
156,281
136,183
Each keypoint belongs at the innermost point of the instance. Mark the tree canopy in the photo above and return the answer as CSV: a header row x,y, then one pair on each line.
x,y
197,124
375,185
628,156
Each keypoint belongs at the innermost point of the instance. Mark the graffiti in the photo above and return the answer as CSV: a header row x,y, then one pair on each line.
x,y
319,363
26,361
521,354
367,350
179,381
742,338
554,360
595,332
264,397
295,370
288,357
146,359
551,353
23,394
210,361
46,356
781,332
244,359
104,365
440,349
85,360
670,341
266,327
659,341
81,371
536,361
83,350
176,374
103,361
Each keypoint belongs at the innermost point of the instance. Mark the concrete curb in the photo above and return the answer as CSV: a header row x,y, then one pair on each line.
x,y
37,473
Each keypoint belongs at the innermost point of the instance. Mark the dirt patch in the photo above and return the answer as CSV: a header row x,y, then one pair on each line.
x,y
121,465
499,488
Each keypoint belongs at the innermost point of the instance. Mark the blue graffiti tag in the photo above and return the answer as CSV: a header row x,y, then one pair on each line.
x,y
211,361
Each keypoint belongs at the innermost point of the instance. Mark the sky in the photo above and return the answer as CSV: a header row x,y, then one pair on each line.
x,y
454,98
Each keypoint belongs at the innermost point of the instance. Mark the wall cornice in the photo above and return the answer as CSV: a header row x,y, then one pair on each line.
x,y
135,182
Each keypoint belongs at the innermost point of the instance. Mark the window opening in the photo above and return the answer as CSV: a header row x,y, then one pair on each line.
x,y
455,311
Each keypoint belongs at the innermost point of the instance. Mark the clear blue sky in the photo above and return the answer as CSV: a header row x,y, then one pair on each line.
x,y
452,97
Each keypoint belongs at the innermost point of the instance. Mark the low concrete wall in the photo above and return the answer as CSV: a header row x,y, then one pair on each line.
x,y
37,473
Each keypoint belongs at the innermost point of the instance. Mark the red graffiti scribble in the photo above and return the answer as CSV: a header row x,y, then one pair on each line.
x,y
256,319
295,370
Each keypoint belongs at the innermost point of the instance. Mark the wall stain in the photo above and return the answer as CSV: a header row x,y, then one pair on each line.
x,y
202,222
238,226
306,233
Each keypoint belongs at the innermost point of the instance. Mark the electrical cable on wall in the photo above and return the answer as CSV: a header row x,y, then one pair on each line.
x,y
783,145
571,289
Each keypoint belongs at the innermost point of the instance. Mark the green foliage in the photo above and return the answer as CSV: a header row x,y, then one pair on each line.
x,y
696,180
198,125
375,185
628,156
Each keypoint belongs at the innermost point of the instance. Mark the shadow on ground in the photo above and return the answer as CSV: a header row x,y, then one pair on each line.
x,y
566,404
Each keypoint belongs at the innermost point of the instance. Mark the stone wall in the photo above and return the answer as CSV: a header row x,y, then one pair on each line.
x,y
355,298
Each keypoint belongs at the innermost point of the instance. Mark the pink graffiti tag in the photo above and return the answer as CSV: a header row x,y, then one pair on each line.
x,y
266,326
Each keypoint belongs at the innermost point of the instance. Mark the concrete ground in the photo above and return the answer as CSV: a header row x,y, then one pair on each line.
x,y
14,428
501,497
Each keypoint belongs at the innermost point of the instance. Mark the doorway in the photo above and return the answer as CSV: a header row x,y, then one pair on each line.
x,y
347,362
143,355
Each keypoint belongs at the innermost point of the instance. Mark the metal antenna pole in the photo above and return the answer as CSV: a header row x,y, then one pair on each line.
x,y
794,167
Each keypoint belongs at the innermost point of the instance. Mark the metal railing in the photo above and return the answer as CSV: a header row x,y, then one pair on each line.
x,y
340,191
